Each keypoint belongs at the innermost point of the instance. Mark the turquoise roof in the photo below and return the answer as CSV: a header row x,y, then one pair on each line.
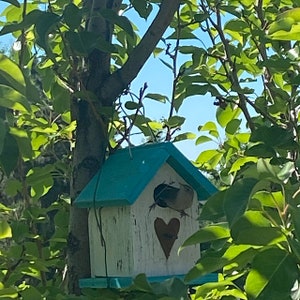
x,y
126,173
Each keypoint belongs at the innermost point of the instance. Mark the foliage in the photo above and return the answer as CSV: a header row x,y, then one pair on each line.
x,y
252,222
244,54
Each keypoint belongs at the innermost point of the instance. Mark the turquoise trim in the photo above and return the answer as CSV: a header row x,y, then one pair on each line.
x,y
126,173
122,282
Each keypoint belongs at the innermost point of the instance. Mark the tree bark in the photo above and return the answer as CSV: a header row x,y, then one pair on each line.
x,y
91,133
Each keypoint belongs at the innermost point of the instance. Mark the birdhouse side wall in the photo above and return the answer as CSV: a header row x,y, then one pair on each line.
x,y
115,250
148,255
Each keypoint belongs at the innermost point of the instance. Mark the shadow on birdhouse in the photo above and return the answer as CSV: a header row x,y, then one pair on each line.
x,y
144,203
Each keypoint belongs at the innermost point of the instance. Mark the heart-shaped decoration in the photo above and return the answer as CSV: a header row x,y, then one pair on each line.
x,y
166,233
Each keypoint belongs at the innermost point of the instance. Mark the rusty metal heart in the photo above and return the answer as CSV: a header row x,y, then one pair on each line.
x,y
167,233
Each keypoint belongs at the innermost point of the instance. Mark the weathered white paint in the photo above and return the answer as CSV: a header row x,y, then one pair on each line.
x,y
131,242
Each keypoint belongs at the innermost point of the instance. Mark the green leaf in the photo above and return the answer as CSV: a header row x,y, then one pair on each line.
x,y
172,287
61,98
121,21
213,209
237,197
201,17
236,25
240,162
203,139
131,105
295,212
11,98
274,136
233,126
175,121
157,97
43,26
185,136
207,234
260,150
265,169
166,64
143,7
11,75
140,283
254,229
72,16
23,141
220,288
5,230
224,116
30,19
40,180
239,256
9,293
271,199
196,89
3,132
4,208
85,42
209,158
286,171
31,293
13,2
211,128
13,186
272,276
10,154
185,34
208,263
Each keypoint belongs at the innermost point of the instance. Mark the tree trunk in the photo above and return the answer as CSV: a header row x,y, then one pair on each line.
x,y
91,132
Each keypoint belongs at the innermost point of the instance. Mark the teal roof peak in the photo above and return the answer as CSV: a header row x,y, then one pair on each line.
x,y
127,172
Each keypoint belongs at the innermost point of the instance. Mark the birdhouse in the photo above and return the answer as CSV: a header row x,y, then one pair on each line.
x,y
143,204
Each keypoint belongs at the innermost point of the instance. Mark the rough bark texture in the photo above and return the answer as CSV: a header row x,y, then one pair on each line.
x,y
91,137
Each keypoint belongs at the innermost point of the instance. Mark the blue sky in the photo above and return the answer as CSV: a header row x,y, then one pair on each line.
x,y
197,110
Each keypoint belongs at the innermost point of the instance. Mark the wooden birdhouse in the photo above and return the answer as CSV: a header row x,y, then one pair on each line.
x,y
144,203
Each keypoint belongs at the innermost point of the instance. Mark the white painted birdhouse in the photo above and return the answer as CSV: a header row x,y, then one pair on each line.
x,y
137,222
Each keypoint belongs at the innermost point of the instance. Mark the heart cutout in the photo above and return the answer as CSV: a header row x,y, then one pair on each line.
x,y
166,233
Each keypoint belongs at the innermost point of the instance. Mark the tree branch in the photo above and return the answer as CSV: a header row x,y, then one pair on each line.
x,y
119,80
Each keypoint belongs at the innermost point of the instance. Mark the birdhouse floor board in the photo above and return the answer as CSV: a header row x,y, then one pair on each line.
x,y
122,282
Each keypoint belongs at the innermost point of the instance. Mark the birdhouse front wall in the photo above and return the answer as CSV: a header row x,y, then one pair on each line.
x,y
131,239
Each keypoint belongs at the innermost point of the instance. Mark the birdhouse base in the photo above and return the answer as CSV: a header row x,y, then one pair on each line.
x,y
123,282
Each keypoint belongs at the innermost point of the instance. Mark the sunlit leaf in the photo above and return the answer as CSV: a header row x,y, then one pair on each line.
x,y
237,164
272,276
11,98
207,234
157,97
11,75
224,116
5,230
185,136
203,139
